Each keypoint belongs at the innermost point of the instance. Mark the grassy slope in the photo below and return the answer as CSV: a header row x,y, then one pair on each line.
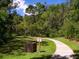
x,y
71,44
46,51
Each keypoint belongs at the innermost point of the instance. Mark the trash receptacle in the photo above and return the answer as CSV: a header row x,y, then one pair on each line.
x,y
31,46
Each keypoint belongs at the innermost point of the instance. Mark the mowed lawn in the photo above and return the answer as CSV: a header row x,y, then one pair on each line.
x,y
70,43
46,50
73,45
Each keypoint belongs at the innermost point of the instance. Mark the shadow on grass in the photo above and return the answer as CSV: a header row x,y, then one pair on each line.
x,y
49,57
42,57
12,47
59,57
1,56
75,56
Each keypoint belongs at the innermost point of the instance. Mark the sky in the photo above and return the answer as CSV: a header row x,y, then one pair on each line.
x,y
23,4
47,1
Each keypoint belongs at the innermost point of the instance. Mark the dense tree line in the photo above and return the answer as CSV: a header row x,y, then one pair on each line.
x,y
50,21
71,21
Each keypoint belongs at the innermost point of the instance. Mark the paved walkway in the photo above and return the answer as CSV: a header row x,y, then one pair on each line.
x,y
62,50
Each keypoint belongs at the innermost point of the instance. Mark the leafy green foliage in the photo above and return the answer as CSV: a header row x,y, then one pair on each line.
x,y
4,3
70,27
56,20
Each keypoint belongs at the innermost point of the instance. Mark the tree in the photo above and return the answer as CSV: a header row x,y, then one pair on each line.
x,y
4,3
8,24
30,9
40,7
71,21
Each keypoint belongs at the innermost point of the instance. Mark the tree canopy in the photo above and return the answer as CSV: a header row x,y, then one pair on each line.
x,y
53,21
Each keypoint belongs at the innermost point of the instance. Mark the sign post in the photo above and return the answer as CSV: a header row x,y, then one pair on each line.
x,y
39,40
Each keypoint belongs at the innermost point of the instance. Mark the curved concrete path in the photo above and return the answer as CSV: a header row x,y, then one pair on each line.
x,y
62,50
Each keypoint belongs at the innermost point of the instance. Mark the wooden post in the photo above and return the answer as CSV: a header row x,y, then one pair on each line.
x,y
39,40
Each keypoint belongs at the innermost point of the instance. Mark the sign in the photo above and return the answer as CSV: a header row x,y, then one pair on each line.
x,y
39,40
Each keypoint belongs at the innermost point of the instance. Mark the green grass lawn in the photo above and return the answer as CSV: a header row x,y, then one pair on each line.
x,y
73,45
46,50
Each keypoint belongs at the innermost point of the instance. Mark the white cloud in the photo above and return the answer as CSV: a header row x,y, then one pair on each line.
x,y
21,4
34,5
28,14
